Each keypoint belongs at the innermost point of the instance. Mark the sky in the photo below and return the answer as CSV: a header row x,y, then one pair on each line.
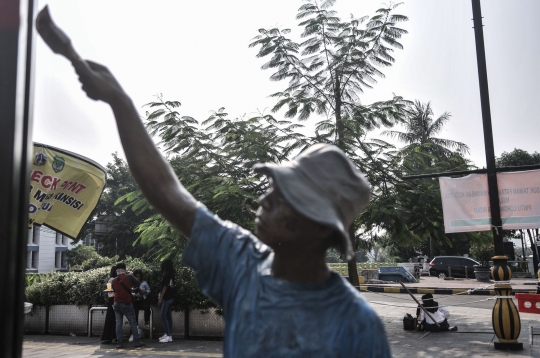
x,y
196,52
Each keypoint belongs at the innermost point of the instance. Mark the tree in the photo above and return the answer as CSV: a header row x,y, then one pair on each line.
x,y
420,132
214,161
409,213
329,70
121,222
79,254
517,157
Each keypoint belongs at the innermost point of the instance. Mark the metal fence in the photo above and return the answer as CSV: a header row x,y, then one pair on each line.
x,y
343,268
68,319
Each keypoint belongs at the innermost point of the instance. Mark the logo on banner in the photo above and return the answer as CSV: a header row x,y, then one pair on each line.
x,y
40,158
58,164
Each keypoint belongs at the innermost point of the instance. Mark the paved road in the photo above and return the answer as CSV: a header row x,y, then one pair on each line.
x,y
378,299
473,340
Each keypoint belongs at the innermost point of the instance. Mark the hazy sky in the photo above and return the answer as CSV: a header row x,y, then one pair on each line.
x,y
197,52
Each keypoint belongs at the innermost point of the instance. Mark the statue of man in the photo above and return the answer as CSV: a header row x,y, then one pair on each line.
x,y
278,295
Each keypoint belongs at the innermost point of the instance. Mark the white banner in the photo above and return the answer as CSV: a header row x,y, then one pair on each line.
x,y
519,198
466,206
465,203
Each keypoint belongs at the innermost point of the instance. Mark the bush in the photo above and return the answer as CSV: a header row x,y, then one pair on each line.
x,y
97,262
86,288
483,253
79,254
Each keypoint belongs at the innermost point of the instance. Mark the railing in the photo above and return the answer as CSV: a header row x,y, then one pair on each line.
x,y
91,310
343,268
79,320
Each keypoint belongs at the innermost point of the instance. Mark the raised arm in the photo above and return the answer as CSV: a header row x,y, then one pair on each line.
x,y
152,172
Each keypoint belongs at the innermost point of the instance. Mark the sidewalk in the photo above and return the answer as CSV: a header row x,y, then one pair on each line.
x,y
474,339
436,285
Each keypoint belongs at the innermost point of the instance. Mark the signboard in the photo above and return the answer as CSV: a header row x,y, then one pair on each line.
x,y
64,189
519,198
466,201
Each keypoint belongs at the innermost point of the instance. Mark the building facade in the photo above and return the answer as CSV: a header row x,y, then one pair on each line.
x,y
46,250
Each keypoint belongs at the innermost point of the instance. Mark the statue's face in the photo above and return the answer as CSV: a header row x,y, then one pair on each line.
x,y
278,224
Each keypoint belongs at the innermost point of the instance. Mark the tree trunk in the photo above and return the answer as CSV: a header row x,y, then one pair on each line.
x,y
534,252
339,123
524,256
340,128
351,264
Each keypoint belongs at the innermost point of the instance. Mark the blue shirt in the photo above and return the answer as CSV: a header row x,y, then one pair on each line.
x,y
270,317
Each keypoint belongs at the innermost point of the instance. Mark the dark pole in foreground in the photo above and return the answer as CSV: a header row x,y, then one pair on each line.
x,y
16,65
488,133
505,317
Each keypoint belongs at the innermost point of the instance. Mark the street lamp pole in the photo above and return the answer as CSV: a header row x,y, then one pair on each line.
x,y
505,317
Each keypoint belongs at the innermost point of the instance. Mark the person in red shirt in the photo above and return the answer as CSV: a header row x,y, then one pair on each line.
x,y
123,305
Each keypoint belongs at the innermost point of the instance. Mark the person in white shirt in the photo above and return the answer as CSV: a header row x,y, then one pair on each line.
x,y
439,313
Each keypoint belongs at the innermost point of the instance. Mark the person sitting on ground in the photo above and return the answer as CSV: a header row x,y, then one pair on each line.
x,y
278,295
141,299
439,313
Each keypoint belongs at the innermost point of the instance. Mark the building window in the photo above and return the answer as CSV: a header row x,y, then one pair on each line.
x,y
36,234
58,239
64,259
58,260
32,259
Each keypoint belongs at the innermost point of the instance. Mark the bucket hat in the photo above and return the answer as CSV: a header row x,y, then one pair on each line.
x,y
323,185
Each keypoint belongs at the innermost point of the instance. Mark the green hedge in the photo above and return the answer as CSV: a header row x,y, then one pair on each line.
x,y
86,288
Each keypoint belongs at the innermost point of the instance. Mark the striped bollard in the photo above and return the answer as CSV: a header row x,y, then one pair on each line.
x,y
505,316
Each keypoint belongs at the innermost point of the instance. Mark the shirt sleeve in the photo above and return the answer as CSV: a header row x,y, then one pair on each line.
x,y
134,281
444,311
222,254
166,280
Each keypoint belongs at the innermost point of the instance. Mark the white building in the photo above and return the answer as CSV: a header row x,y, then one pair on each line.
x,y
46,250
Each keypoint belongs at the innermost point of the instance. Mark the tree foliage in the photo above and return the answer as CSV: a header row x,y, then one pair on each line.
x,y
326,73
421,130
335,63
408,213
214,159
79,254
516,158
121,222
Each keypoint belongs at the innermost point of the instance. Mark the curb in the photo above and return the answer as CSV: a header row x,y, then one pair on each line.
x,y
438,291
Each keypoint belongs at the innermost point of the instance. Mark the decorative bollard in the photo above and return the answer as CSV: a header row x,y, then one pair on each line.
x,y
505,316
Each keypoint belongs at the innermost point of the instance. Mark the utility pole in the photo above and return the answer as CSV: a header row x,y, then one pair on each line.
x,y
505,317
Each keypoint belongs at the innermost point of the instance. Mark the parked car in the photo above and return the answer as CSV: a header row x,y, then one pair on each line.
x,y
458,264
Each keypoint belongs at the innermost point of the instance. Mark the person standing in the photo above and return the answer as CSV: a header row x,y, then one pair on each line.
x,y
123,305
166,298
278,295
109,328
141,299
